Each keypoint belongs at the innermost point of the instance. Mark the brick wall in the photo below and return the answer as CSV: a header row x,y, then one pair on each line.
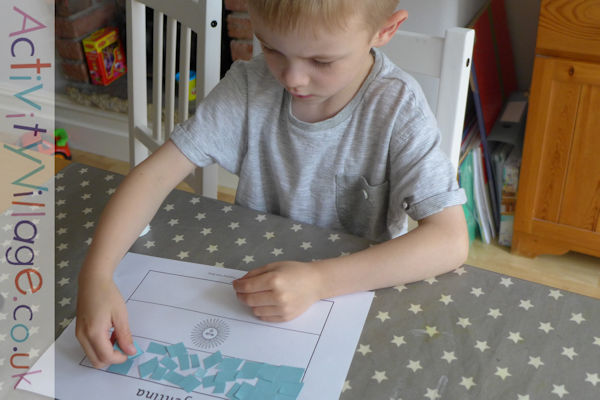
x,y
76,19
239,29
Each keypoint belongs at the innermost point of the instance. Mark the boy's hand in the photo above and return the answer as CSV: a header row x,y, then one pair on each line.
x,y
100,307
279,291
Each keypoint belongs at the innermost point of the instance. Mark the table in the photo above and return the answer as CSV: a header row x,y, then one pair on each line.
x,y
468,334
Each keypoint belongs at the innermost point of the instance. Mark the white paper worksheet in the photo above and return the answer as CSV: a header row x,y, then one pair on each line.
x,y
172,301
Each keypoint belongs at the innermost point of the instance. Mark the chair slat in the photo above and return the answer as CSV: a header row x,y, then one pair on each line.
x,y
157,76
184,71
171,49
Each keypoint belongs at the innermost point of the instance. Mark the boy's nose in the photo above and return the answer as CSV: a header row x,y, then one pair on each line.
x,y
293,76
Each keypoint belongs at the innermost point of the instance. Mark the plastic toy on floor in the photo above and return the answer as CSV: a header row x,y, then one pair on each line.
x,y
60,147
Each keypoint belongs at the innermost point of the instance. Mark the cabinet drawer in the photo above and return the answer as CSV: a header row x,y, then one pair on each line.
x,y
569,28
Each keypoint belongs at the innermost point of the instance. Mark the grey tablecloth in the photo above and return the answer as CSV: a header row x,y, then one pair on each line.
x,y
469,334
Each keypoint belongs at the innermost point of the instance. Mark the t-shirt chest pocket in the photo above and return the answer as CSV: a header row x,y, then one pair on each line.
x,y
361,207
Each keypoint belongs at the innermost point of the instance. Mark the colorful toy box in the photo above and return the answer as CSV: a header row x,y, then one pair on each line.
x,y
105,56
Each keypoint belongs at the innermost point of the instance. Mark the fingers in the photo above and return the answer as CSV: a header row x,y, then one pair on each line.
x,y
97,346
258,282
123,333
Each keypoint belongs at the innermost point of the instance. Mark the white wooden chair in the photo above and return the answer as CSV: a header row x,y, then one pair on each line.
x,y
201,17
449,60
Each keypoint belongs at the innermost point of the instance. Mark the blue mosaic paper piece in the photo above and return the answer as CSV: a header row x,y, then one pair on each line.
x,y
138,349
212,360
148,367
189,383
184,362
265,388
290,388
173,377
225,376
158,373
208,381
231,393
200,372
156,348
244,392
268,372
249,370
121,369
177,349
168,362
219,388
194,361
280,396
230,364
290,374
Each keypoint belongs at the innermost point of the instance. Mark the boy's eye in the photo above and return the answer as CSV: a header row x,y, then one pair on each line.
x,y
319,63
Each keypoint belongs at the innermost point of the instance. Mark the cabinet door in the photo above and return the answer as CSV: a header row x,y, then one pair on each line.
x,y
558,204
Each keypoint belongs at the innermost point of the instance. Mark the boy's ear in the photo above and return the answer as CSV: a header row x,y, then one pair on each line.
x,y
389,28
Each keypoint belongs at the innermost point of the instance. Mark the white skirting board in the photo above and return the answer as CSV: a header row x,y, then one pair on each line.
x,y
105,133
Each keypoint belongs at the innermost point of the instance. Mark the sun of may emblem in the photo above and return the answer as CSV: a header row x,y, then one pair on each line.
x,y
210,333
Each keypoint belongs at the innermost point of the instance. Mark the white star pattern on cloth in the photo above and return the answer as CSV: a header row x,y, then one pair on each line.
x,y
346,386
64,323
464,322
63,264
219,264
149,243
523,397
83,170
431,280
62,246
482,346
306,245
261,217
240,241
183,254
536,362
234,225
494,313
84,183
364,349
227,209
59,188
269,235
446,299
64,281
400,288
195,200
431,330
177,238
460,271
415,308
379,376
477,292
109,177
432,394
62,231
61,215
333,237
502,373
88,241
398,340
111,191
87,210
86,196
173,222
569,352
248,259
597,341
212,248
61,202
277,252
449,356
382,316
546,327
64,301
169,207
296,227
592,378
526,304
206,231
577,318
506,282
467,382
414,365
559,390
200,216
515,337
555,294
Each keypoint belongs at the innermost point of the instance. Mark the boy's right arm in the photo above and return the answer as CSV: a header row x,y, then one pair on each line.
x,y
100,306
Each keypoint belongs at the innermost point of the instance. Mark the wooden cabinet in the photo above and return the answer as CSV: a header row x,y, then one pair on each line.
x,y
558,203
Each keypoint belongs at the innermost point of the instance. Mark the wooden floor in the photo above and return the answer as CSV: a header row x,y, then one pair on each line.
x,y
572,271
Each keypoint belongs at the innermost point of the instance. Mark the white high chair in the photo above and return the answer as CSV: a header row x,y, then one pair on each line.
x,y
203,18
449,60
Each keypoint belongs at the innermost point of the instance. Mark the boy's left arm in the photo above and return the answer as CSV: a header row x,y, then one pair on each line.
x,y
283,290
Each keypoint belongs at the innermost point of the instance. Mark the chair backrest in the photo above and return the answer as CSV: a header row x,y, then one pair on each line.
x,y
449,60
199,17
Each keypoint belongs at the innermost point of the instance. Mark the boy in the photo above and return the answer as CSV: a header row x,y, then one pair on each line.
x,y
321,128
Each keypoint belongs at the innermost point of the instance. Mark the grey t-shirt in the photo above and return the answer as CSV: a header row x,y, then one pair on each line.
x,y
362,171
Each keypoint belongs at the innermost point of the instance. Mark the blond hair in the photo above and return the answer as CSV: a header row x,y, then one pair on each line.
x,y
288,15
